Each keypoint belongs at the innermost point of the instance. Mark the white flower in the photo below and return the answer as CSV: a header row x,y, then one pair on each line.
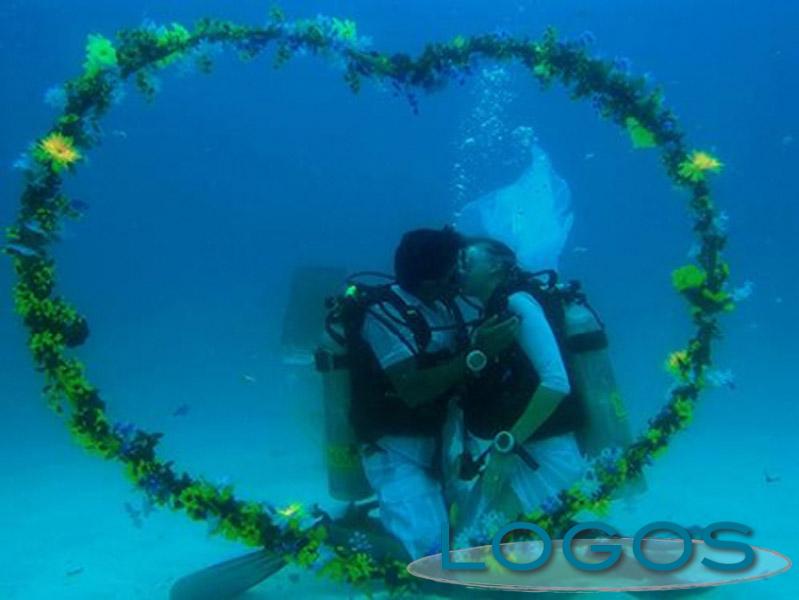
x,y
743,292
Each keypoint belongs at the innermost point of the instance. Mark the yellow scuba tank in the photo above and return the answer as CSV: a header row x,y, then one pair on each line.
x,y
346,479
305,316
592,378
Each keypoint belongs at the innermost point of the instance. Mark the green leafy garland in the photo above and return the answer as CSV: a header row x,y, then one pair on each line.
x,y
55,326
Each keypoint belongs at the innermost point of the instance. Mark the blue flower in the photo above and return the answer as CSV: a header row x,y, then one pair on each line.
x,y
589,484
21,250
126,432
35,228
23,163
463,539
551,505
154,488
213,522
324,556
492,522
586,38
359,542
622,64
124,429
56,97
608,458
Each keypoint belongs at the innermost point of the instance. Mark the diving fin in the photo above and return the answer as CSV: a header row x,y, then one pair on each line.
x,y
233,577
227,579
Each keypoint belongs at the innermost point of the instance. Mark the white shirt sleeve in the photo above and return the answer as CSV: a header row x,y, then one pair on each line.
x,y
388,348
538,342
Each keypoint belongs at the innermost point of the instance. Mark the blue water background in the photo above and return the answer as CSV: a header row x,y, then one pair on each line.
x,y
215,193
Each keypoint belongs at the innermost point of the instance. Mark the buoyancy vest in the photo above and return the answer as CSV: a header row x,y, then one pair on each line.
x,y
376,409
497,398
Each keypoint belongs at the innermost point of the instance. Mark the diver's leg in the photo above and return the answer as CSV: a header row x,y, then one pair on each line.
x,y
411,501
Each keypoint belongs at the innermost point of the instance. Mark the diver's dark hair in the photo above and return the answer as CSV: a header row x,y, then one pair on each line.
x,y
426,255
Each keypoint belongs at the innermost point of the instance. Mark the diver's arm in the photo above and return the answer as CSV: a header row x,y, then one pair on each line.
x,y
539,344
539,409
418,386
421,385
397,358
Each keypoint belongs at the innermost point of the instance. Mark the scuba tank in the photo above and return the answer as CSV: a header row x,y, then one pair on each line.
x,y
346,479
593,380
305,316
583,343
352,380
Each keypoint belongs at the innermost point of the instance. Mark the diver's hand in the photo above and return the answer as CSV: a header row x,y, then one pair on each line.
x,y
493,336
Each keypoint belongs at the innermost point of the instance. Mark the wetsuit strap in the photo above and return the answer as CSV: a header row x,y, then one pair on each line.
x,y
477,464
526,457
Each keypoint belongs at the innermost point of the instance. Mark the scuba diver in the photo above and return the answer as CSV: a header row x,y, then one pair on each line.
x,y
513,443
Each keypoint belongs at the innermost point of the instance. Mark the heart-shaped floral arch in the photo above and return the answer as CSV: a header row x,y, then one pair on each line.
x,y
56,327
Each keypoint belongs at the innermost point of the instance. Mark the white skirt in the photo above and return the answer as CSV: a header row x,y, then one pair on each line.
x,y
560,462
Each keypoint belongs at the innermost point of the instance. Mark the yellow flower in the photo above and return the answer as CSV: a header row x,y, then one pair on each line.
x,y
699,163
59,150
290,510
678,362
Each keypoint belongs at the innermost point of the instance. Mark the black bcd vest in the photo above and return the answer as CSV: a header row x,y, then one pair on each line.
x,y
375,407
497,398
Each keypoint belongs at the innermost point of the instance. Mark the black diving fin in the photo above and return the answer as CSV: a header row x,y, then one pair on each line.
x,y
227,579
233,577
